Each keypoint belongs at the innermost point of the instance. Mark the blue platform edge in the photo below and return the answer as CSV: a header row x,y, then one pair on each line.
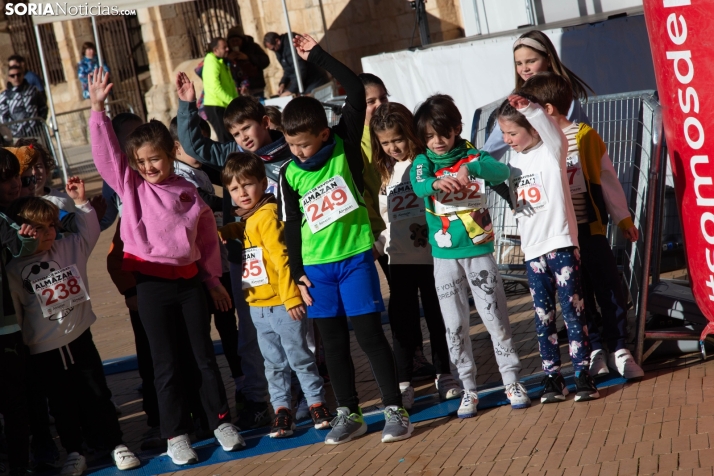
x,y
258,442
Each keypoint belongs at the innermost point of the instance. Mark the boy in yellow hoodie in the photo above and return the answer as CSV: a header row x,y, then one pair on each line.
x,y
276,305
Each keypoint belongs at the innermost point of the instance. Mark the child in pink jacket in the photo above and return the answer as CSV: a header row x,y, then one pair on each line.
x,y
171,246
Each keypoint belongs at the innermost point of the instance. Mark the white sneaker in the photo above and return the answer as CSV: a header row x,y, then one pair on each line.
x,y
75,465
623,361
408,397
598,365
125,459
448,387
469,402
228,437
180,451
517,395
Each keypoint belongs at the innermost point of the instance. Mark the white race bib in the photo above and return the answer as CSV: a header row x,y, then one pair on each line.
x,y
327,203
254,273
576,178
529,194
60,290
472,197
403,203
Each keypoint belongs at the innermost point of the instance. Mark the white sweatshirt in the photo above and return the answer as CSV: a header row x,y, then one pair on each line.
x,y
404,240
43,334
540,189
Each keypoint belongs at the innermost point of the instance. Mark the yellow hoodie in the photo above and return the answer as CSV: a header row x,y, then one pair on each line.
x,y
263,229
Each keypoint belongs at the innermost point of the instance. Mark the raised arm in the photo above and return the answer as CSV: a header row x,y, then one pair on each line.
x,y
86,218
551,135
10,237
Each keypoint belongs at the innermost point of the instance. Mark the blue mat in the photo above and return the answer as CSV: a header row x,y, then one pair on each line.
x,y
258,442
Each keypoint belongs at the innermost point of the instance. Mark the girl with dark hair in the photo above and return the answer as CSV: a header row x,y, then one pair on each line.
x,y
88,63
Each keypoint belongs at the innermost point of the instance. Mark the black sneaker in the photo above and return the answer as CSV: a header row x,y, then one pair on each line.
x,y
240,401
423,369
321,416
283,424
585,388
254,415
554,389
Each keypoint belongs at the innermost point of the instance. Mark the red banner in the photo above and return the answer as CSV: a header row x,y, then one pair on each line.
x,y
683,54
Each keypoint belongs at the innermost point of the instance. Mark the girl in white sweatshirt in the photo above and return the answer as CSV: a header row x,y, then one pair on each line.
x,y
540,193
405,242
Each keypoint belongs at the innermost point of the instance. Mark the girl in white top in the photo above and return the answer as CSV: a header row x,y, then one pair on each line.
x,y
405,242
540,193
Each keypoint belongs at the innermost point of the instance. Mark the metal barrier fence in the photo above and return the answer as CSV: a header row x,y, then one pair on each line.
x,y
627,124
36,128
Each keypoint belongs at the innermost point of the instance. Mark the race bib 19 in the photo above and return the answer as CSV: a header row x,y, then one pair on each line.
x,y
403,203
529,194
471,197
254,273
328,202
60,290
576,178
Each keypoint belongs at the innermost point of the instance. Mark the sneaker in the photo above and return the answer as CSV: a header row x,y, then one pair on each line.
x,y
517,395
448,387
469,404
423,369
345,427
152,439
180,451
554,389
397,426
598,365
303,410
321,416
283,424
585,388
125,459
623,361
228,437
254,415
43,453
408,397
74,465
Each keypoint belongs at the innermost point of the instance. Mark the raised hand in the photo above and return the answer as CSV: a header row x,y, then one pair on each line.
x,y
75,189
303,45
27,230
518,102
99,87
184,88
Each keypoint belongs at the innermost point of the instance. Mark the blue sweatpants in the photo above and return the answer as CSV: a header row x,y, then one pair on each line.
x,y
559,271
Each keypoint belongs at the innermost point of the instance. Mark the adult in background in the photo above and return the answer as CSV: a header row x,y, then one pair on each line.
x,y
31,77
21,100
88,63
250,59
312,76
219,88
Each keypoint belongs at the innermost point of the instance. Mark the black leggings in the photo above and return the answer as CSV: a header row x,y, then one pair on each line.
x,y
371,339
225,322
161,303
409,281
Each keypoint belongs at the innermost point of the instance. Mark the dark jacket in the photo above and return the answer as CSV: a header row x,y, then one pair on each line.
x,y
311,74
22,102
257,61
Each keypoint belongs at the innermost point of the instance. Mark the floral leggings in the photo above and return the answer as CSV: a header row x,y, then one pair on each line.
x,y
559,271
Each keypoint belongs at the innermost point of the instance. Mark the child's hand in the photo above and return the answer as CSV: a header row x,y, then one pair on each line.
x,y
518,102
221,298
632,233
297,313
75,189
447,184
99,87
304,283
303,45
27,231
184,87
462,176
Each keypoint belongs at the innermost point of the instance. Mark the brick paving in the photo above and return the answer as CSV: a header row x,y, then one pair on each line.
x,y
659,425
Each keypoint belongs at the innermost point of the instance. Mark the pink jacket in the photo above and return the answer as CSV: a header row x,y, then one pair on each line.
x,y
164,223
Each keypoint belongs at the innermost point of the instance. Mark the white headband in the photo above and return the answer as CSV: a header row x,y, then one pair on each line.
x,y
530,42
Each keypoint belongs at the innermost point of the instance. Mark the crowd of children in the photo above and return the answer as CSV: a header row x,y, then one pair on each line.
x,y
307,210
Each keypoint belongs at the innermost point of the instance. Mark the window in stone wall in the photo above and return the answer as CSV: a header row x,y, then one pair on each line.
x,y
206,19
22,36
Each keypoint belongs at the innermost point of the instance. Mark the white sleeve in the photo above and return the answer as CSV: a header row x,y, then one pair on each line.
x,y
88,227
614,196
551,135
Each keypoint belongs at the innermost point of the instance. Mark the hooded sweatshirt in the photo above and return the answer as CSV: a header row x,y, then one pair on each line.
x,y
43,334
468,231
166,223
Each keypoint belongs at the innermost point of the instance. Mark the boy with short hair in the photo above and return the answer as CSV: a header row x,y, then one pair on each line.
x,y
596,193
50,293
276,306
329,241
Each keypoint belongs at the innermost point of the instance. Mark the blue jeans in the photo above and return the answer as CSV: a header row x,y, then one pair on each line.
x,y
283,343
256,387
